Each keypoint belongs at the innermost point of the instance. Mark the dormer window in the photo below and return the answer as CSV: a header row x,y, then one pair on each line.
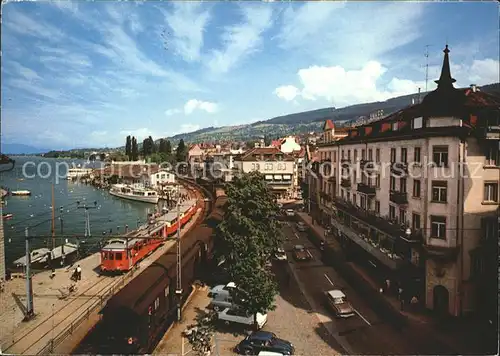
x,y
394,126
416,123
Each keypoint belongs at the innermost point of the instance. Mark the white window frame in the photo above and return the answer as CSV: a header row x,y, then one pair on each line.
x,y
417,123
439,226
442,153
491,191
442,193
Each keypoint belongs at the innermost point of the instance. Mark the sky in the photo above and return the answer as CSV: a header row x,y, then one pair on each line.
x,y
86,74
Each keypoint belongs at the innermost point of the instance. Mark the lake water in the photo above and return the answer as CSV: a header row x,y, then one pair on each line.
x,y
35,211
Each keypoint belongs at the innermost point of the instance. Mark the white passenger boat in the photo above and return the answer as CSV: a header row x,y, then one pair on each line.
x,y
74,173
20,192
134,193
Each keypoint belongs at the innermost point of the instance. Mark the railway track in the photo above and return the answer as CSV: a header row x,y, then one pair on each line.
x,y
93,343
30,341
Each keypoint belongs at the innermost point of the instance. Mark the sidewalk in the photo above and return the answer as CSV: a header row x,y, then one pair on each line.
x,y
454,334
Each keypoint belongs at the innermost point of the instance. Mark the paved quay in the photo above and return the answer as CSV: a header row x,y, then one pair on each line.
x,y
58,311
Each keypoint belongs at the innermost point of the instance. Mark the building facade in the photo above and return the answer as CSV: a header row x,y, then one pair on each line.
x,y
161,177
416,194
276,166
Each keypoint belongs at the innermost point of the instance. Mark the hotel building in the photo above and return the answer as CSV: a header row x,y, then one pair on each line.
x,y
416,194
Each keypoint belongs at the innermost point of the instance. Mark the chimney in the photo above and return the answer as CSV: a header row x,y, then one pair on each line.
x,y
473,87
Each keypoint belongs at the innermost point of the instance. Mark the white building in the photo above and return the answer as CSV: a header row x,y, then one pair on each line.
x,y
161,177
289,145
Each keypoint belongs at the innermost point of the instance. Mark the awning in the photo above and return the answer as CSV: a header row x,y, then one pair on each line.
x,y
278,176
287,177
269,177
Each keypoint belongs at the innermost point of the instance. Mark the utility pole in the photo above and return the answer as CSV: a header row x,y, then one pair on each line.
x,y
29,286
53,220
426,54
87,219
178,290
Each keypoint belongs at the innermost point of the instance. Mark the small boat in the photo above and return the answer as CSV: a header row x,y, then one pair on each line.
x,y
7,216
20,193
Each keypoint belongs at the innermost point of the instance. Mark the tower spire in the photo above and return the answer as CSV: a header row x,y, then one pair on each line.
x,y
445,80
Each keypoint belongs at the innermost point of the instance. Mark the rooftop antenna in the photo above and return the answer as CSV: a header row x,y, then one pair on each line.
x,y
426,54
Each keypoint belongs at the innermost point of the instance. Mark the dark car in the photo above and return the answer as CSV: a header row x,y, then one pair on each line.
x,y
264,341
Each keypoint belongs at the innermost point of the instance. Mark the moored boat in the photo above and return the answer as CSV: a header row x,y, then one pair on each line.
x,y
7,216
20,192
134,193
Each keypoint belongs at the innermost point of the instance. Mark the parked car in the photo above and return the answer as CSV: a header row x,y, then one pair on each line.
x,y
221,290
221,302
264,343
235,315
280,254
301,226
300,253
290,212
339,304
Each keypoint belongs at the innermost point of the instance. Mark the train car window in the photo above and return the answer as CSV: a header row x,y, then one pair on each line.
x,y
118,256
111,256
104,255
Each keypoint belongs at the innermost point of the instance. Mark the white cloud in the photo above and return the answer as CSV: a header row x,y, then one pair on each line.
x,y
171,112
18,22
187,22
27,73
194,104
240,41
342,87
139,134
287,92
349,35
484,71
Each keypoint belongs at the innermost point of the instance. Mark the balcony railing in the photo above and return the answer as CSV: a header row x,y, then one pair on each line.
x,y
366,189
399,168
491,132
366,163
400,198
345,182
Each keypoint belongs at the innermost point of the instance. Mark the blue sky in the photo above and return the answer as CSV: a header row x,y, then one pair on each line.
x,y
86,74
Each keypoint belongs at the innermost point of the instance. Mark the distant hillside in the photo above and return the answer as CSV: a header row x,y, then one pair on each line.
x,y
305,121
20,149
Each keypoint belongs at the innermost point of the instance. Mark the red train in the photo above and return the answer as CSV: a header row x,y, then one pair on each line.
x,y
135,319
121,254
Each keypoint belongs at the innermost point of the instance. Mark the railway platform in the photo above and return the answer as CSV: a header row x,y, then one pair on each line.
x,y
61,314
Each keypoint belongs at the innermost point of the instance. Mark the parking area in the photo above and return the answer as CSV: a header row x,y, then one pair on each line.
x,y
292,320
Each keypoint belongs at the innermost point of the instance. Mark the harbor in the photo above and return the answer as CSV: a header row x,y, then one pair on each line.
x,y
108,214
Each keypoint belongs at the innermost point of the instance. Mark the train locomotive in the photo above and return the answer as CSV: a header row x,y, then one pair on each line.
x,y
134,320
122,254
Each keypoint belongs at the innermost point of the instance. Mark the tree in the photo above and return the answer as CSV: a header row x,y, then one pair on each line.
x,y
181,152
134,152
128,147
168,147
152,146
246,239
162,145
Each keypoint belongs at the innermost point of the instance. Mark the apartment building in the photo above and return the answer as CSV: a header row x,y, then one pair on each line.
x,y
417,195
276,166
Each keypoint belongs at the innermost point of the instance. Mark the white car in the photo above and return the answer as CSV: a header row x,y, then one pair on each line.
x,y
301,226
222,290
280,254
237,316
221,302
290,212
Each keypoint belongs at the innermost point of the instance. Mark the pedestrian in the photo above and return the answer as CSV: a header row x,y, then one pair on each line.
x,y
79,272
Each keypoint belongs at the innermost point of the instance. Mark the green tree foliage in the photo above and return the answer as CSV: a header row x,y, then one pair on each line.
x,y
181,153
134,152
246,239
168,147
128,147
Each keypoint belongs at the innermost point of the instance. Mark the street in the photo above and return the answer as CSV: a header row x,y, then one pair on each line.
x,y
365,333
